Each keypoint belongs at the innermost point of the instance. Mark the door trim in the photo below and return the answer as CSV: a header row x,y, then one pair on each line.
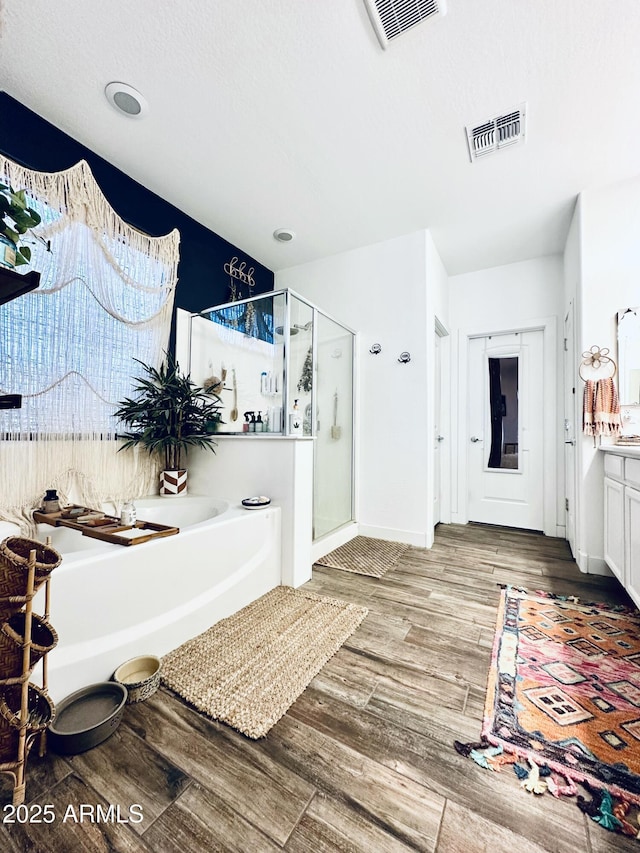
x,y
550,451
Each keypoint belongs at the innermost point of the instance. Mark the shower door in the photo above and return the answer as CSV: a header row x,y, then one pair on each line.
x,y
333,466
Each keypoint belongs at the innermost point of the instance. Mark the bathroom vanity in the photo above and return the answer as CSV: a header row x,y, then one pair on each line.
x,y
622,516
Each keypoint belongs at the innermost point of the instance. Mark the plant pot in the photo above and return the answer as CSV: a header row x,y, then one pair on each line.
x,y
7,253
173,484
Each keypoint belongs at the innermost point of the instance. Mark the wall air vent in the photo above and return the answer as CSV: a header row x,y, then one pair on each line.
x,y
391,18
496,133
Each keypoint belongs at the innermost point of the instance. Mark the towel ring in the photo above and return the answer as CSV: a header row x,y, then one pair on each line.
x,y
596,358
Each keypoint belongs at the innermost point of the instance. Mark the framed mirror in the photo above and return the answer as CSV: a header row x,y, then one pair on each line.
x,y
629,356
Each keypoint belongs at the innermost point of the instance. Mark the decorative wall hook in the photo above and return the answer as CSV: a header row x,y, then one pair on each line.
x,y
595,358
375,349
404,357
238,271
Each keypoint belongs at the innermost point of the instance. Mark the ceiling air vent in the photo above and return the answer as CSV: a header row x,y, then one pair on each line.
x,y
391,18
497,133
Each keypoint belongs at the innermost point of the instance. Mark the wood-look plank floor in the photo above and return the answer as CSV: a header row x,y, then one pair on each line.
x,y
363,761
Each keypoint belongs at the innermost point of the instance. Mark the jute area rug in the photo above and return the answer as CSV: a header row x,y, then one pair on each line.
x,y
247,670
365,556
563,703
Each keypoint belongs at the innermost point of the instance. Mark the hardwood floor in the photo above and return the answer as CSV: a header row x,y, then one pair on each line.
x,y
363,761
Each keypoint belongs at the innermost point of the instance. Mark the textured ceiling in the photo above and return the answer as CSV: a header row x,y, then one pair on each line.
x,y
287,113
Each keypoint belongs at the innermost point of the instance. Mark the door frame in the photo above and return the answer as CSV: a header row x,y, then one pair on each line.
x,y
570,413
445,343
550,451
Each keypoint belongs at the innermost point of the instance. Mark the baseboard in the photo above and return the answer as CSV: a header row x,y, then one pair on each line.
x,y
333,540
592,565
391,534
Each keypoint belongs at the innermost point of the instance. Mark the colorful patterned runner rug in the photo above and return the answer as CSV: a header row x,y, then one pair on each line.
x,y
563,703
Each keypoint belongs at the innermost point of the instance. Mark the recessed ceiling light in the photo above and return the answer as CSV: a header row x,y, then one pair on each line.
x,y
125,99
284,235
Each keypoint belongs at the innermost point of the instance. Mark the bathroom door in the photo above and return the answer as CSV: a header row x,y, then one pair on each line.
x,y
505,447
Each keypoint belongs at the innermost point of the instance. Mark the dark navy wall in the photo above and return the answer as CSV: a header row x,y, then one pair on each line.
x,y
31,141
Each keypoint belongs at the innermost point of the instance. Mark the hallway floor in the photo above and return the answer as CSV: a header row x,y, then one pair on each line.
x,y
363,761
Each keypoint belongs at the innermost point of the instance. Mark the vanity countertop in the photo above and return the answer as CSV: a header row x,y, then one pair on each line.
x,y
622,449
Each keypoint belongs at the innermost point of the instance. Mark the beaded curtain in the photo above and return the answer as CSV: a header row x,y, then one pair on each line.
x,y
105,298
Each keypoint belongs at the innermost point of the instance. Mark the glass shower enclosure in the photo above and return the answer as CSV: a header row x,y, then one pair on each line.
x,y
282,367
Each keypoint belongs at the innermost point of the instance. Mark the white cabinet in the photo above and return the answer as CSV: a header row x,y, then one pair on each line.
x,y
632,541
614,551
622,519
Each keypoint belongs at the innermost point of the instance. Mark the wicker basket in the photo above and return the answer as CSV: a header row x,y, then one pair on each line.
x,y
141,677
41,714
12,638
14,564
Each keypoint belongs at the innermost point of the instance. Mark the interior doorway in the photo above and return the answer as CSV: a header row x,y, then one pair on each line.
x,y
506,435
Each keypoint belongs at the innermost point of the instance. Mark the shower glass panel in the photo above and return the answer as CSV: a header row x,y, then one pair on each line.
x,y
300,370
237,351
503,408
333,480
280,365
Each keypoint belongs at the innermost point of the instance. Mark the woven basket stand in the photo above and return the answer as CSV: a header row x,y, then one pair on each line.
x,y
25,709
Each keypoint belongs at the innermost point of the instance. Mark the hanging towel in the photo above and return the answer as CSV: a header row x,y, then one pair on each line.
x,y
606,414
600,408
588,403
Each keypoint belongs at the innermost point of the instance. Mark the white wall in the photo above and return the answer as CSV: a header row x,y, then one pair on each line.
x,y
506,298
280,468
438,308
388,292
215,347
609,279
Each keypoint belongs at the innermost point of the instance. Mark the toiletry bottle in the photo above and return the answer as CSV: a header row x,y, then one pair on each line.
x,y
51,502
259,423
295,420
252,422
128,514
245,425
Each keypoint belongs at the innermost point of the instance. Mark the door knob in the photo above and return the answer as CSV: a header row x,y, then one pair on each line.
x,y
571,441
439,438
474,439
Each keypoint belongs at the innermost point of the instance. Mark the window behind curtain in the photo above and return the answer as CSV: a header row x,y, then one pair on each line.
x,y
105,299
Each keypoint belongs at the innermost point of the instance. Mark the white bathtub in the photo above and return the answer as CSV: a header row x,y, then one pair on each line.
x,y
112,602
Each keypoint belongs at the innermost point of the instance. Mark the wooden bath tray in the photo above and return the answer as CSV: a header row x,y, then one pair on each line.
x,y
110,530
119,534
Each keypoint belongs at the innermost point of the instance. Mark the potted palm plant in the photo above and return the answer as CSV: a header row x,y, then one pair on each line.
x,y
168,415
16,218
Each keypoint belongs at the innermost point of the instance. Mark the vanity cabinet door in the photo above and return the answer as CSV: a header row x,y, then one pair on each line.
x,y
632,541
614,544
